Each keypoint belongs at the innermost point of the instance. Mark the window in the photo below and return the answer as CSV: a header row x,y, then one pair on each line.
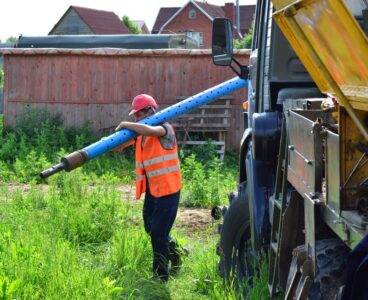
x,y
198,36
192,14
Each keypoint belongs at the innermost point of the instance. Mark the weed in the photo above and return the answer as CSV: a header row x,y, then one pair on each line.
x,y
205,185
75,239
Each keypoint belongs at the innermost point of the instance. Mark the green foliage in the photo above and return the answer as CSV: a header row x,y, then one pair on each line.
x,y
1,77
27,170
75,238
39,141
12,39
56,245
246,42
203,153
205,184
74,241
97,211
129,23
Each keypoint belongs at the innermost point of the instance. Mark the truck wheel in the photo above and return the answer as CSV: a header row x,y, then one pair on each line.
x,y
331,269
235,238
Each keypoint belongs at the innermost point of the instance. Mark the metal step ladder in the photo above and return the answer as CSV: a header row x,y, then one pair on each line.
x,y
279,205
287,207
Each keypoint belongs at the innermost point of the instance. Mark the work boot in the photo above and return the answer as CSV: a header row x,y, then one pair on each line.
x,y
160,268
176,253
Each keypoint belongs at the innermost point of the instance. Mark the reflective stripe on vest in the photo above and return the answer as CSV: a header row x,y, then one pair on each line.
x,y
150,162
139,176
139,165
159,165
162,171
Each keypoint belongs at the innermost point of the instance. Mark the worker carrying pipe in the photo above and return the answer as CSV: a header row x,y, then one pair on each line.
x,y
78,158
158,176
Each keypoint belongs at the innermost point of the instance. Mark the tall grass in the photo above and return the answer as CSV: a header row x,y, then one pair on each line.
x,y
74,238
75,242
39,141
53,244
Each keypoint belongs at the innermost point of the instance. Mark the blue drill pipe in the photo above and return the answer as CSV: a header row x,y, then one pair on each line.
x,y
110,142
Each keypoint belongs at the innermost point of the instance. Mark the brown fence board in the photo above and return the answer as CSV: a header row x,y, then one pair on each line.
x,y
97,86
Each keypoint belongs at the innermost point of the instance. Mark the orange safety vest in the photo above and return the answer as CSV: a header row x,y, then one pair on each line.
x,y
161,167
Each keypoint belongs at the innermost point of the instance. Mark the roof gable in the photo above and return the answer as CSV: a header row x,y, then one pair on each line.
x,y
141,26
167,14
99,21
212,11
209,10
164,14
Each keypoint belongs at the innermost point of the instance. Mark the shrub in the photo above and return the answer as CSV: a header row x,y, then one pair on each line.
x,y
39,141
205,184
246,42
28,170
130,24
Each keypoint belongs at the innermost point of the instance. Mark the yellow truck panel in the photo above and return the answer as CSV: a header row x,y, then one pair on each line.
x,y
326,43
333,49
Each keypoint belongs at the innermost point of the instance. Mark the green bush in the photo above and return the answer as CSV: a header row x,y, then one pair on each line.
x,y
246,42
130,24
39,141
205,184
28,170
203,153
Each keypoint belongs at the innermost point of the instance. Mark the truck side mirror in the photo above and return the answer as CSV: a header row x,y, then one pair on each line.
x,y
222,42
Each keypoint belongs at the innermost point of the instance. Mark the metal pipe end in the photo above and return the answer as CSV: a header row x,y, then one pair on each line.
x,y
51,171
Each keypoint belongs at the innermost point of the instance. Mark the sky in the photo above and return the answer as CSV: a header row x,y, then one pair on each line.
x,y
38,17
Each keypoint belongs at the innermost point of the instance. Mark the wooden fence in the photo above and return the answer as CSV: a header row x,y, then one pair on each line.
x,y
97,85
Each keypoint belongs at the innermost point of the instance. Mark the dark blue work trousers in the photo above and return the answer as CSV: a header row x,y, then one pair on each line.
x,y
159,215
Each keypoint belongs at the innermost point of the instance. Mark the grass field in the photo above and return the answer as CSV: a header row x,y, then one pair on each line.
x,y
80,235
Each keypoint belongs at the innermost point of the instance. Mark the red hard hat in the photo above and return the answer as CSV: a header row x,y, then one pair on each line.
x,y
142,101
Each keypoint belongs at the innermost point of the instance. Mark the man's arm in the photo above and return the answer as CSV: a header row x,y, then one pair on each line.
x,y
142,129
123,146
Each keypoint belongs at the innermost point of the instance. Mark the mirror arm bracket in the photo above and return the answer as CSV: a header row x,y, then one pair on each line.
x,y
243,71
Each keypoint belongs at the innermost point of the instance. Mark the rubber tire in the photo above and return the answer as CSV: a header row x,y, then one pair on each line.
x,y
331,256
235,238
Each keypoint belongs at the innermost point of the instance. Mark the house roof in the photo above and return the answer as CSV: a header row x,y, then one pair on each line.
x,y
166,14
141,26
205,8
212,11
99,21
247,15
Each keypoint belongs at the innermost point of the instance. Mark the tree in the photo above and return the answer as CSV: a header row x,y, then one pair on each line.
x,y
246,42
129,23
12,39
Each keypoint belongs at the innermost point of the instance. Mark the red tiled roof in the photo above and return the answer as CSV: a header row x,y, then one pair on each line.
x,y
101,21
213,11
164,14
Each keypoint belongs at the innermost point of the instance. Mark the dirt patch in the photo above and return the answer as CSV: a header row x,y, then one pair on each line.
x,y
195,221
127,192
9,189
192,220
